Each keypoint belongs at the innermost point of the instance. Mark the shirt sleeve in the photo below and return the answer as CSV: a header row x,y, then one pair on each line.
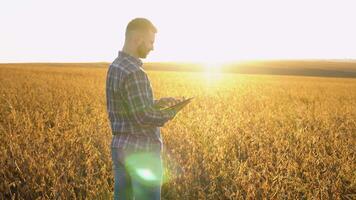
x,y
141,103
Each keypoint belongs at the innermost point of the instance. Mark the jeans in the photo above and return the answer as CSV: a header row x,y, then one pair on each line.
x,y
138,175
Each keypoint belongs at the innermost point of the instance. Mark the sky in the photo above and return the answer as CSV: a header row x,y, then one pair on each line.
x,y
188,30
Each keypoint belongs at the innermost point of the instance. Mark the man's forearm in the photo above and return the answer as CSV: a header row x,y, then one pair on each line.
x,y
154,117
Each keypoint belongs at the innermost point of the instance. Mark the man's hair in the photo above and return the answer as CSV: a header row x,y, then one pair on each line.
x,y
141,25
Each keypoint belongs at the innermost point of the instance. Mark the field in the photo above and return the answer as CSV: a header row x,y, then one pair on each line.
x,y
243,136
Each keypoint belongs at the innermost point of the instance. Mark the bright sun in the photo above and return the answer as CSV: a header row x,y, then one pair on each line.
x,y
212,72
212,66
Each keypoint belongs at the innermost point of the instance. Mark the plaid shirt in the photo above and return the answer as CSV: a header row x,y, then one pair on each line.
x,y
134,119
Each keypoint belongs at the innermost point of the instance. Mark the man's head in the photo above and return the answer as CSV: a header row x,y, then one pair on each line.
x,y
140,36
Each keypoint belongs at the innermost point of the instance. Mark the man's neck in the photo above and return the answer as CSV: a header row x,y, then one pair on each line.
x,y
130,51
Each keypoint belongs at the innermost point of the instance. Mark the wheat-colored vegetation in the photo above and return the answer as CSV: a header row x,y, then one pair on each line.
x,y
243,136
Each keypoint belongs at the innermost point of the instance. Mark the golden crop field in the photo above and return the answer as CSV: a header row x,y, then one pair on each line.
x,y
242,137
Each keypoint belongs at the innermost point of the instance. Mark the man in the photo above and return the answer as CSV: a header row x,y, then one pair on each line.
x,y
135,117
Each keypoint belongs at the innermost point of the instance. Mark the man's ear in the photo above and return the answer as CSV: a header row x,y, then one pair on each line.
x,y
137,37
134,38
138,41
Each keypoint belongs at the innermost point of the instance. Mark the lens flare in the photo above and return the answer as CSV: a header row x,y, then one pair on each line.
x,y
146,174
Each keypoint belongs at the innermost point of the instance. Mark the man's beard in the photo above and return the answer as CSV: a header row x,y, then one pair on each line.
x,y
142,51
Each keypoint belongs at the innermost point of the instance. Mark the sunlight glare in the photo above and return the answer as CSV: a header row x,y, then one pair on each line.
x,y
212,74
212,66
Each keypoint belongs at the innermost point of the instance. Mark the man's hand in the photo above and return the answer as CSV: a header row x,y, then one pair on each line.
x,y
167,101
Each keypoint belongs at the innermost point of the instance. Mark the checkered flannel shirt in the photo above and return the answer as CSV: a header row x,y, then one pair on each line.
x,y
134,119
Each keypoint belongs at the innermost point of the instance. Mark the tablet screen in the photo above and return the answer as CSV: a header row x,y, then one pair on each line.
x,y
179,105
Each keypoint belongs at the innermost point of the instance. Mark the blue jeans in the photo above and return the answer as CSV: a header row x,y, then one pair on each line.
x,y
138,175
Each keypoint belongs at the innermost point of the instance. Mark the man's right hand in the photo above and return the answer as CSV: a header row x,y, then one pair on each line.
x,y
168,101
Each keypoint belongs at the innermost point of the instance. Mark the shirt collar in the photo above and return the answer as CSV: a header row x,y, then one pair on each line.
x,y
131,58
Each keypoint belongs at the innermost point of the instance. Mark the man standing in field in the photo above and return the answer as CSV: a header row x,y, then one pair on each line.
x,y
135,117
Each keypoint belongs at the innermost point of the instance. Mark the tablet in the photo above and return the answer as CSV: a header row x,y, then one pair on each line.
x,y
179,105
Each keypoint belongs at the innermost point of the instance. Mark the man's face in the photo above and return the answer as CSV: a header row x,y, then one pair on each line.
x,y
146,44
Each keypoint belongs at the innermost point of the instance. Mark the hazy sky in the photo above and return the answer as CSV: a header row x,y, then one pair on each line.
x,y
188,30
